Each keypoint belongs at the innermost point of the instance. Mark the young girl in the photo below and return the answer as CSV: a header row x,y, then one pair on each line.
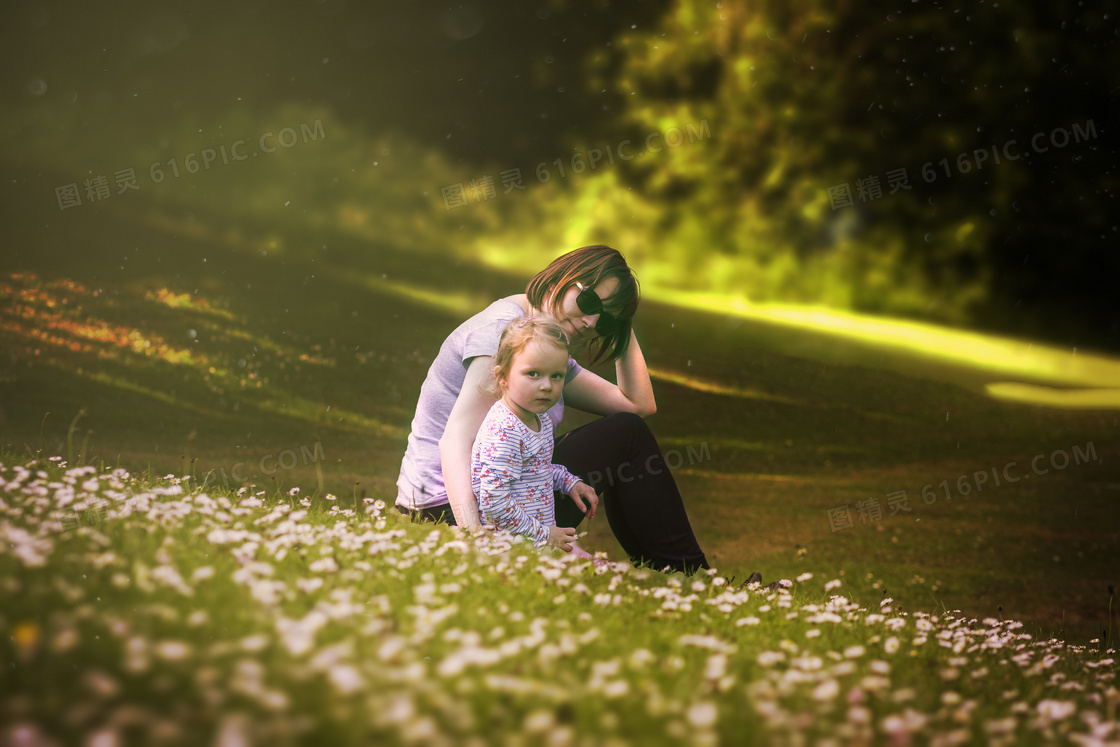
x,y
511,462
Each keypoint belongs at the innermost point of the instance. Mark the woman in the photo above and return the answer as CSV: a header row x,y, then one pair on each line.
x,y
593,294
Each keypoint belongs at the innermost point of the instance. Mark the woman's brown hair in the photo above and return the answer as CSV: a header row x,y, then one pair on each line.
x,y
590,265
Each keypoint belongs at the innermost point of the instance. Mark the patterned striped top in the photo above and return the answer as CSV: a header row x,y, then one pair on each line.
x,y
513,475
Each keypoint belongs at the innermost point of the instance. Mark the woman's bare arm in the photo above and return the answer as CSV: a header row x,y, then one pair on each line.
x,y
458,437
633,393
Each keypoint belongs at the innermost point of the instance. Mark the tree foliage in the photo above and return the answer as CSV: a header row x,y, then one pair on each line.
x,y
802,96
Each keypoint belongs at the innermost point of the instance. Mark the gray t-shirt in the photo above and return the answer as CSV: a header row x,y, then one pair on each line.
x,y
420,484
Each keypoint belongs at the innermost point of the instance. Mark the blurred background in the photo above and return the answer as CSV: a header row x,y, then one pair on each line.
x,y
878,248
876,159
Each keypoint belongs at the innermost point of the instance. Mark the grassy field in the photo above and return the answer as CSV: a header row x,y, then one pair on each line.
x,y
173,343
244,356
151,612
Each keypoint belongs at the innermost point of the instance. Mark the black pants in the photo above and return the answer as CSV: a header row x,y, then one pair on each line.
x,y
619,457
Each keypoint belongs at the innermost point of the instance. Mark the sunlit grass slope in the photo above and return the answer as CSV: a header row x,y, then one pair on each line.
x,y
268,323
1016,370
335,178
1096,375
206,354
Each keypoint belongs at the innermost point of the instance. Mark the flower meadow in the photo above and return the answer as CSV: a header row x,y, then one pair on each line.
x,y
151,611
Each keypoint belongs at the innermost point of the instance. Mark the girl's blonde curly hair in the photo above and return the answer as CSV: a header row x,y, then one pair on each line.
x,y
517,334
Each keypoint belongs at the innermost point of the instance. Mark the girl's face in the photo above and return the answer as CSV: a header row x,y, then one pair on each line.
x,y
535,380
580,326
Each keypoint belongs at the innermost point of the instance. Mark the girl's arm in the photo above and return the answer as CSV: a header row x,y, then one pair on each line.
x,y
562,480
633,393
458,436
565,482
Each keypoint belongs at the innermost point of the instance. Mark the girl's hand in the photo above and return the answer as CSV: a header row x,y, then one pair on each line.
x,y
562,538
581,491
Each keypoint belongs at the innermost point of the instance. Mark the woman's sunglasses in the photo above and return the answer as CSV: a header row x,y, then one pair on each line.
x,y
590,303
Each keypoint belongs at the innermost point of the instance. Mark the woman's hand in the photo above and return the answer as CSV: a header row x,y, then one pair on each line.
x,y
562,538
581,492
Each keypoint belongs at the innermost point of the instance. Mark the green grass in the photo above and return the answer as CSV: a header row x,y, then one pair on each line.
x,y
193,351
148,611
184,330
